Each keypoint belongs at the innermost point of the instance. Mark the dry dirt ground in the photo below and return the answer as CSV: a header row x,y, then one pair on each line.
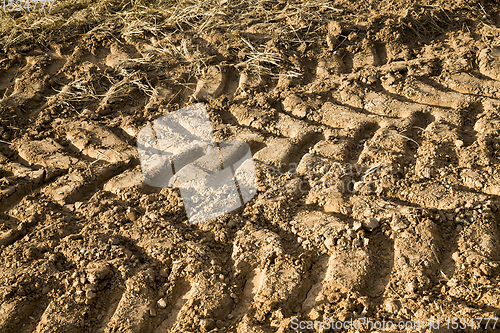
x,y
375,133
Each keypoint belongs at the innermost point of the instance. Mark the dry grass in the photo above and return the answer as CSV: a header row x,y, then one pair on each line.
x,y
141,18
298,21
83,90
183,32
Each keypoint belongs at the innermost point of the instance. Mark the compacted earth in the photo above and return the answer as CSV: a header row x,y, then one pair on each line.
x,y
375,134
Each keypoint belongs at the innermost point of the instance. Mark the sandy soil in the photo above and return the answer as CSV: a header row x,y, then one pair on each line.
x,y
376,140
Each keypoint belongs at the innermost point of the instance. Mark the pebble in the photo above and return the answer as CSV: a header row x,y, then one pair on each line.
x,y
370,223
397,224
164,272
391,306
402,261
411,287
161,303
452,283
207,324
329,243
132,216
97,272
90,287
356,226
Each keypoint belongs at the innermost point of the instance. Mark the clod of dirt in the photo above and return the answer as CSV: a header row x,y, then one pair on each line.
x,y
294,105
46,153
371,223
211,83
97,272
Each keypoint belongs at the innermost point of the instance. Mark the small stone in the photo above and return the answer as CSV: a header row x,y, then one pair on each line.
x,y
92,278
164,272
314,314
370,223
161,303
90,287
411,287
402,261
329,243
97,272
114,241
459,143
356,226
455,256
90,294
132,215
357,186
391,306
207,324
452,283
334,203
397,224
152,312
